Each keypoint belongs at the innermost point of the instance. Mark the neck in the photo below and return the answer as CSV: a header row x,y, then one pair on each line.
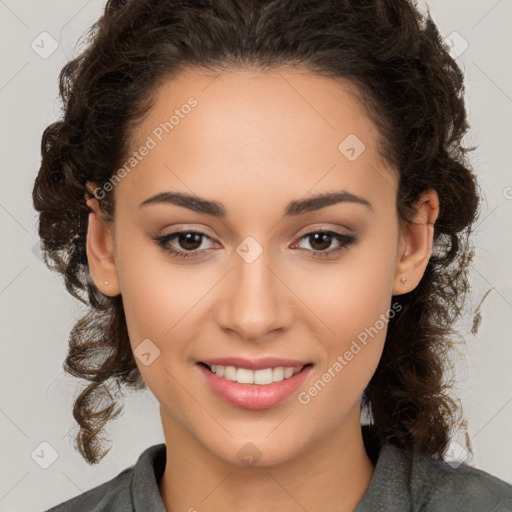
x,y
333,473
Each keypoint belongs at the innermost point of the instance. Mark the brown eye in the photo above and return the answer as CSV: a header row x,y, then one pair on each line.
x,y
186,246
190,241
321,240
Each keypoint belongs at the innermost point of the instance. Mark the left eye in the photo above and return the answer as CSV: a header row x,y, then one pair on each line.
x,y
192,240
323,239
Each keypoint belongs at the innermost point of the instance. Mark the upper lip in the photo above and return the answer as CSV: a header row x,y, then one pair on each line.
x,y
255,364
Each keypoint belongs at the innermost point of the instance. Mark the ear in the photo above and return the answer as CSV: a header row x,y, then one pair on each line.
x,y
100,250
415,247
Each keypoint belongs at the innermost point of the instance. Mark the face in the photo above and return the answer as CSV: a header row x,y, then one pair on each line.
x,y
264,274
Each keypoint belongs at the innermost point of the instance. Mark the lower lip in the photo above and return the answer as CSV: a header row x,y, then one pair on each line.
x,y
254,396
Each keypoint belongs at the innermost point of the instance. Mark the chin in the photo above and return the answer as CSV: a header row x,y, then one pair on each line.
x,y
257,452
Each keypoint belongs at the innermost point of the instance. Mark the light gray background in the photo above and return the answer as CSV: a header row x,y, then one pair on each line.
x,y
37,313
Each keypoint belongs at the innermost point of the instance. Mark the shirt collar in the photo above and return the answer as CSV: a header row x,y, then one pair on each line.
x,y
147,473
388,489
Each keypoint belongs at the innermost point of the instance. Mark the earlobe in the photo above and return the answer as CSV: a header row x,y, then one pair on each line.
x,y
100,255
415,248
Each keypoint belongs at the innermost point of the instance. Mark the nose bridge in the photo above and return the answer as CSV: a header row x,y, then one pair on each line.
x,y
253,302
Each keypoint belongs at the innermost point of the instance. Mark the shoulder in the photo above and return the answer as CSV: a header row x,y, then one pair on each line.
x,y
404,480
439,486
111,495
115,494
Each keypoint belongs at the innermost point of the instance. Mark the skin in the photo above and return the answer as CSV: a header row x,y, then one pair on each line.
x,y
254,142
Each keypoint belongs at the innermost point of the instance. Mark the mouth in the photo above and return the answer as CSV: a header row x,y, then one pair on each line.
x,y
263,377
254,389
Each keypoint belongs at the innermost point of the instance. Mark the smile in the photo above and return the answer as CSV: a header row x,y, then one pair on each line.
x,y
259,377
254,389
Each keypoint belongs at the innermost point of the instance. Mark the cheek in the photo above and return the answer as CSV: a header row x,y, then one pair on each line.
x,y
351,294
157,293
351,349
162,301
353,303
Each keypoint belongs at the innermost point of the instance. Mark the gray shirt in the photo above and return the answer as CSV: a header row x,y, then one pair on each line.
x,y
401,482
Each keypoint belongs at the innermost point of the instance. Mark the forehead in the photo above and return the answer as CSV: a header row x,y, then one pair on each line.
x,y
249,133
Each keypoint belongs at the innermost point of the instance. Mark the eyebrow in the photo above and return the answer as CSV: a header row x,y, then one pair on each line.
x,y
297,207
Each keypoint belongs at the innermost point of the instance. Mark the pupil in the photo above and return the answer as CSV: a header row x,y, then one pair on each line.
x,y
190,238
317,237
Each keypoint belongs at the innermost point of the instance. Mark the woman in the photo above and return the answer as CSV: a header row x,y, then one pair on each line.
x,y
266,206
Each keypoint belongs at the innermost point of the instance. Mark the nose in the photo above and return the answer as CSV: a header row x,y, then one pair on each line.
x,y
255,299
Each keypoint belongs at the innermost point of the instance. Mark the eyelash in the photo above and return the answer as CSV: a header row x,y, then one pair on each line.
x,y
345,240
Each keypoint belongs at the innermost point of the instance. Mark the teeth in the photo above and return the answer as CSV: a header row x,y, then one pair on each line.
x,y
262,377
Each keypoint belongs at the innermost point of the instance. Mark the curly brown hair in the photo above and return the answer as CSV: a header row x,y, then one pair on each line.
x,y
411,88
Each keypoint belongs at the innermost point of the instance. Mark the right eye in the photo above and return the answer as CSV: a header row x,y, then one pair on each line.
x,y
189,240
